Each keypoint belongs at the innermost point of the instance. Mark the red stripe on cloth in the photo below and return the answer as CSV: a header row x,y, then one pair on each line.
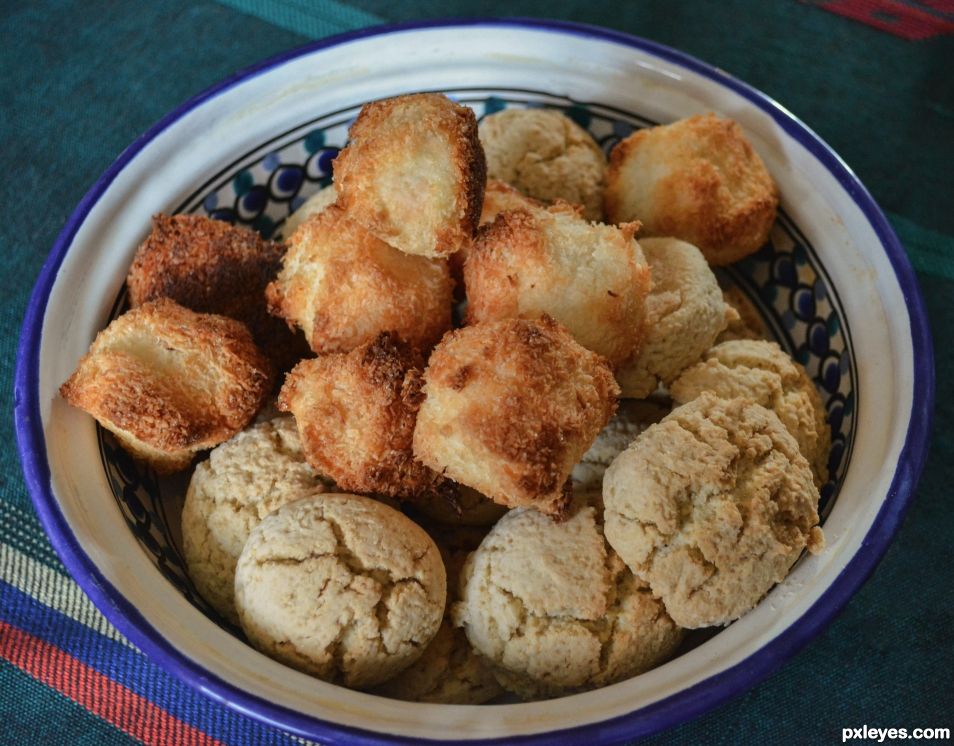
x,y
894,17
128,711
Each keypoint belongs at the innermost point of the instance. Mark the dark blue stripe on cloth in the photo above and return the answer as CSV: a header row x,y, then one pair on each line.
x,y
133,670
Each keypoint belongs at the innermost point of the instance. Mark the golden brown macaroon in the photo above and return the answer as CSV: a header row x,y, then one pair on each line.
x,y
498,197
210,266
511,406
342,287
592,278
413,173
169,382
355,414
546,155
699,180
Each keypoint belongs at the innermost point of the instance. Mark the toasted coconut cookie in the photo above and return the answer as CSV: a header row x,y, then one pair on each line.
x,y
210,266
498,197
545,155
712,507
242,481
698,179
555,611
316,203
763,372
743,320
356,413
511,406
413,173
169,382
590,277
631,418
341,587
684,314
342,287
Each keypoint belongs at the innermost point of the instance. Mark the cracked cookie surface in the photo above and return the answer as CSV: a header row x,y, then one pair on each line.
x,y
555,611
712,507
341,587
241,482
685,312
763,372
449,671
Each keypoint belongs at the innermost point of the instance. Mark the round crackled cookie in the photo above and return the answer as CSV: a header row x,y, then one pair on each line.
x,y
763,372
555,611
712,506
340,587
545,155
685,312
241,482
449,671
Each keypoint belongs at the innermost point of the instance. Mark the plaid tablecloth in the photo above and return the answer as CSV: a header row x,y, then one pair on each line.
x,y
79,80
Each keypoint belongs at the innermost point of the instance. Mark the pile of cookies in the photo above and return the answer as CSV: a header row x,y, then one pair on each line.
x,y
516,450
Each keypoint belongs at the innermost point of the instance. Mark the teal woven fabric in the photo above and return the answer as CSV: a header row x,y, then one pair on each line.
x,y
80,80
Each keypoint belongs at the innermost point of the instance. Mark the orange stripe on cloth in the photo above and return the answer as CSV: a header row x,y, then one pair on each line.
x,y
128,711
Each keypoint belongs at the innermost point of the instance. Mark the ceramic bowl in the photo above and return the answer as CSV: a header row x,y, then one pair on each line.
x,y
833,285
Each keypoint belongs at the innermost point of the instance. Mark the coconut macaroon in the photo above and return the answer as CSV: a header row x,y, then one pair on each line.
x,y
545,155
698,179
342,287
712,506
324,197
169,382
210,266
510,407
684,314
413,173
355,414
590,277
341,587
242,481
762,372
555,611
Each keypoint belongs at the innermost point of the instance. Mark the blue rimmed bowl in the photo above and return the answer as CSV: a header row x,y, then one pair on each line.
x,y
832,284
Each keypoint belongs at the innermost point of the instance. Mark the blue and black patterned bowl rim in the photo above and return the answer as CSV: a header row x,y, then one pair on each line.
x,y
650,719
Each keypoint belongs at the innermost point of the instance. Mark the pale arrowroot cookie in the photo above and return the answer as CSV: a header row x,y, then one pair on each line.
x,y
743,321
241,482
342,287
413,173
555,611
684,314
341,587
356,412
697,179
169,382
712,507
590,277
631,418
546,155
510,407
316,203
763,372
449,670
210,266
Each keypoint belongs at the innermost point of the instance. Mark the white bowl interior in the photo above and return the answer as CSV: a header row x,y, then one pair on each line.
x,y
192,150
